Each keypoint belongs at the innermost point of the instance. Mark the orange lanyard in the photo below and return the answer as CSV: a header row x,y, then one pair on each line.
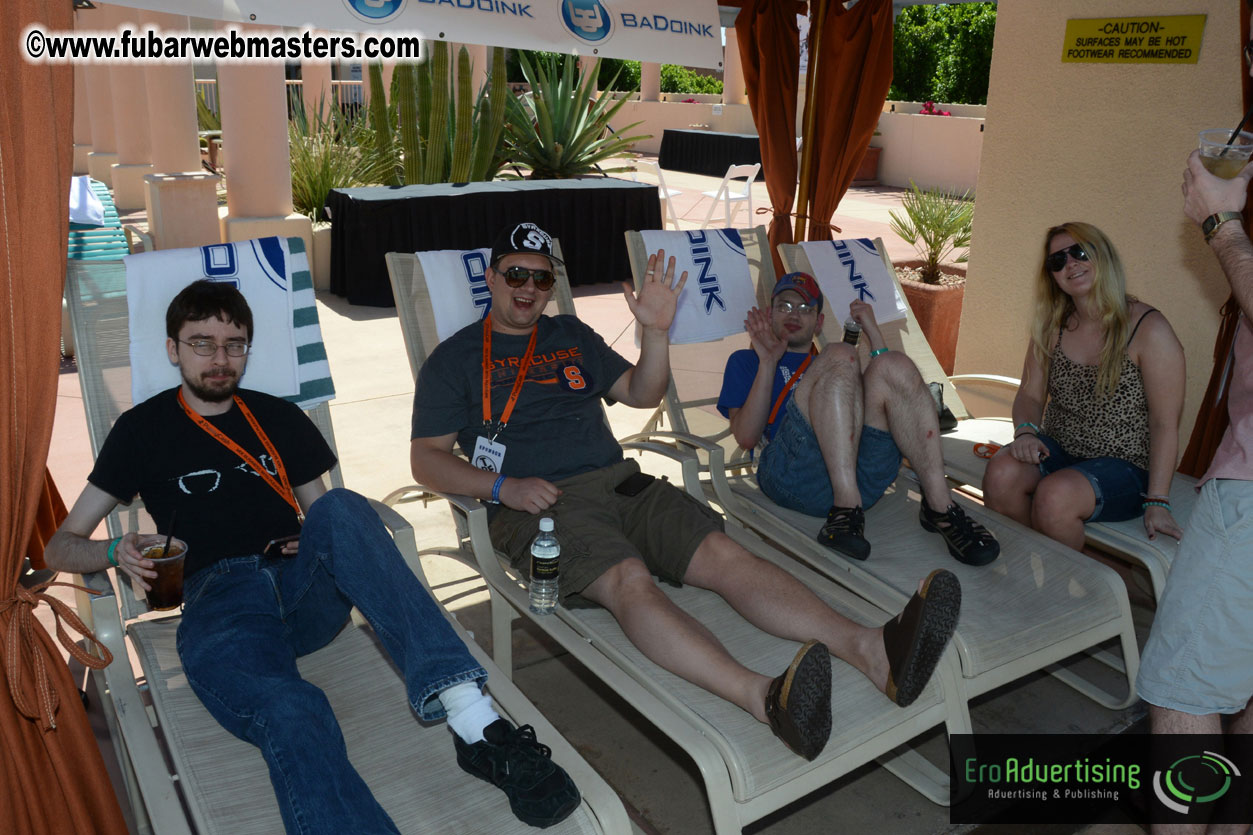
x,y
284,489
791,381
523,367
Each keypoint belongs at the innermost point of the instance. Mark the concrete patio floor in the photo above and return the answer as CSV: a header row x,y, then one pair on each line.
x,y
659,784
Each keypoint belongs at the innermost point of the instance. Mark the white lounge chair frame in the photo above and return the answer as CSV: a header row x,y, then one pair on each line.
x,y
747,773
215,783
1122,539
995,642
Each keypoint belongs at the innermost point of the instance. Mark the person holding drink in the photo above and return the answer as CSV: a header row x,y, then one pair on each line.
x,y
274,563
1097,415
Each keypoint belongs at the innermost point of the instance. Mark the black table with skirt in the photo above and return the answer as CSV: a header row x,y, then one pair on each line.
x,y
587,216
707,152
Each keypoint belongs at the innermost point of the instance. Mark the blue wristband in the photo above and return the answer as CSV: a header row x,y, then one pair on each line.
x,y
878,351
496,489
110,553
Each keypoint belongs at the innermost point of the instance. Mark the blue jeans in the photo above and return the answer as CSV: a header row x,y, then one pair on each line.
x,y
1119,485
793,473
247,619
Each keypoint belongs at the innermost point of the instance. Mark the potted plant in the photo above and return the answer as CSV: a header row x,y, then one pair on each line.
x,y
936,223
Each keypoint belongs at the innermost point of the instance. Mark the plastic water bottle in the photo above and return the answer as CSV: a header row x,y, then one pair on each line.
x,y
545,553
852,332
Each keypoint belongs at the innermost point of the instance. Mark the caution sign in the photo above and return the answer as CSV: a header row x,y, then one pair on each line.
x,y
1169,39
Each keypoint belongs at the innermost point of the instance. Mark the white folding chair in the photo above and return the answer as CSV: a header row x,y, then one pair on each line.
x,y
732,194
664,192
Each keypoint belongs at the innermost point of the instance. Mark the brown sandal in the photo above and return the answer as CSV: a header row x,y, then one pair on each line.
x,y
798,702
915,639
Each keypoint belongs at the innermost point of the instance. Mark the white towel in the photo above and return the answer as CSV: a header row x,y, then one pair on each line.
x,y
85,206
850,269
262,269
457,287
719,290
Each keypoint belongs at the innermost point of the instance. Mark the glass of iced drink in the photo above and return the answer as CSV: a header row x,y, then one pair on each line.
x,y
167,587
1221,159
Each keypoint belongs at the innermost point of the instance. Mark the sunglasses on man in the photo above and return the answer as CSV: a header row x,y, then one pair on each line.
x,y
1056,260
517,276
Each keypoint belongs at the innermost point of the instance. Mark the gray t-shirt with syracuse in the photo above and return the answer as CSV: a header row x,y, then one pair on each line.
x,y
558,427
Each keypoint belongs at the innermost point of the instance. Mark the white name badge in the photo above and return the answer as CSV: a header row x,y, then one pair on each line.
x,y
488,454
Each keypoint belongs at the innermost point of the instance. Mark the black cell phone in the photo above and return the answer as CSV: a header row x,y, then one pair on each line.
x,y
274,548
634,484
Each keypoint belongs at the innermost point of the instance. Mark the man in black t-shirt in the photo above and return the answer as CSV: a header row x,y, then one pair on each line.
x,y
230,470
541,446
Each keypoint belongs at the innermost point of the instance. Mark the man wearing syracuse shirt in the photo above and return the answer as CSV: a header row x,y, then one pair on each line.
x,y
521,394
831,436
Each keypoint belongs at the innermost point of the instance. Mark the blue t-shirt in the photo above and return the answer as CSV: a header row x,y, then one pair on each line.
x,y
738,379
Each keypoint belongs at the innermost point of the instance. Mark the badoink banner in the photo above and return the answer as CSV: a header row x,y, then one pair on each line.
x,y
1083,778
663,31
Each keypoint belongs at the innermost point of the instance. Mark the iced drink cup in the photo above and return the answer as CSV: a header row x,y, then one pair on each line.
x,y
167,587
1221,159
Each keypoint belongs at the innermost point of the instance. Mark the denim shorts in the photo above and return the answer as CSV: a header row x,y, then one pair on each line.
x,y
1118,484
792,473
1199,656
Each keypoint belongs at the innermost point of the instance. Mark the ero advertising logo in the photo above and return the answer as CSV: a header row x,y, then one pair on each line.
x,y
587,20
1194,779
375,11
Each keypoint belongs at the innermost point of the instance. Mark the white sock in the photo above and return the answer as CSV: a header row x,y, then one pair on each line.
x,y
469,711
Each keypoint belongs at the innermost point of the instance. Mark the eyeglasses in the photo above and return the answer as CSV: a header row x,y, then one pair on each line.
x,y
209,348
785,307
517,276
1056,260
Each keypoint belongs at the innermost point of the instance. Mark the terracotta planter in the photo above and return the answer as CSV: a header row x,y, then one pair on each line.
x,y
938,309
868,171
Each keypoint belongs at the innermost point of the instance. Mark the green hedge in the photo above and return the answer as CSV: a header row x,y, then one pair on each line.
x,y
674,78
943,53
678,79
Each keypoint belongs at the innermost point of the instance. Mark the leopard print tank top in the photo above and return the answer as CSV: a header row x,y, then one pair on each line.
x,y
1089,426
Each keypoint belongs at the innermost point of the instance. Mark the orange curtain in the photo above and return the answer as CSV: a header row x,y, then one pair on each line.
x,y
854,72
52,779
1211,417
769,44
49,514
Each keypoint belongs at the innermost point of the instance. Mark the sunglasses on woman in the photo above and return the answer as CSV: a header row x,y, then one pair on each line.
x,y
1056,260
517,276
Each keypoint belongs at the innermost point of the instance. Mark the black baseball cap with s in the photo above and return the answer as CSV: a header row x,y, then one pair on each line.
x,y
523,237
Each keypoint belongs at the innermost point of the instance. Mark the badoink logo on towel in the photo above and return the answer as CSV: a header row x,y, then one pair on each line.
x,y
375,11
587,20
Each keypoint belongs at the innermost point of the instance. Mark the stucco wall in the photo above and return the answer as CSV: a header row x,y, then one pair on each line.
x,y
658,116
932,151
1104,143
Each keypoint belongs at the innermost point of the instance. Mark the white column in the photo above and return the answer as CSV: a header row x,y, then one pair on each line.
x,y
733,89
254,136
82,120
181,197
650,81
130,122
99,94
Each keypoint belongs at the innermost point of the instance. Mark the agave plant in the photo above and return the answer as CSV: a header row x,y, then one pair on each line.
x,y
330,151
562,130
936,223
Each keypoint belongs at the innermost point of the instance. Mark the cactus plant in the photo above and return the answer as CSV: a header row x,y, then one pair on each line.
x,y
436,134
490,119
407,108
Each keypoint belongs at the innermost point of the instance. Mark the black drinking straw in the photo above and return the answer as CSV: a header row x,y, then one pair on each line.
x,y
1236,132
170,537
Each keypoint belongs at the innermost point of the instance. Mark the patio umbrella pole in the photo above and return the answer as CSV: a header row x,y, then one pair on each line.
x,y
807,131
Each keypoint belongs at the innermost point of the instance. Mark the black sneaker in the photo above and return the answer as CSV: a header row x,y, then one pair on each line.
x,y
539,791
967,540
844,532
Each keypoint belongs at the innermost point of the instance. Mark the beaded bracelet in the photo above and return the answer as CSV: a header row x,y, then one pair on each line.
x,y
500,480
1147,505
878,351
1151,498
1028,432
110,555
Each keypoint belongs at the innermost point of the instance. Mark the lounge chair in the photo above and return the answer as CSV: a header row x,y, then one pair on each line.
x,y
747,773
1038,604
183,772
963,466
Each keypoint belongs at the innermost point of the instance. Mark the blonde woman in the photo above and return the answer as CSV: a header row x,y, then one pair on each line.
x,y
1097,417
